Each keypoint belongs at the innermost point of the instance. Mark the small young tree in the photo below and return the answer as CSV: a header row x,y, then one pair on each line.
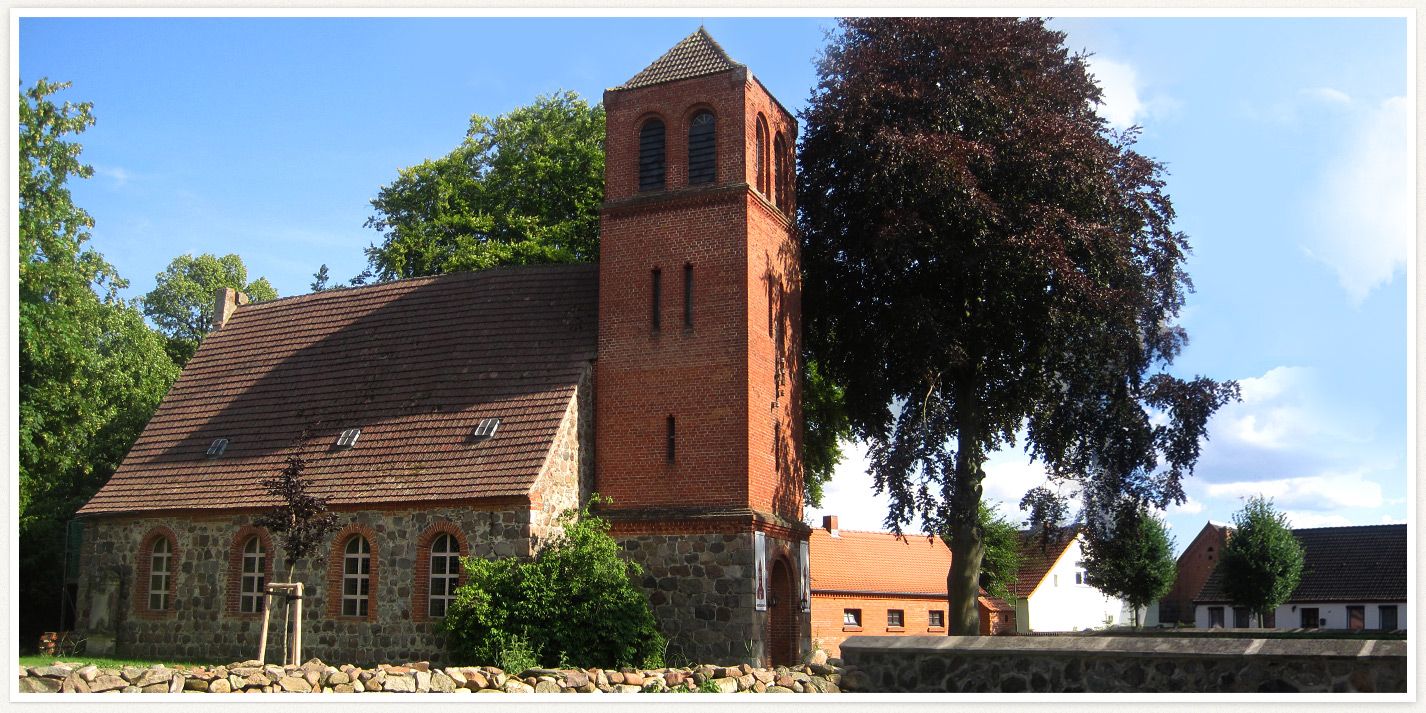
x,y
1132,561
575,603
301,521
1262,562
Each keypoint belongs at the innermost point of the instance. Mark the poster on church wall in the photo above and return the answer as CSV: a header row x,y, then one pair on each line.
x,y
760,570
806,579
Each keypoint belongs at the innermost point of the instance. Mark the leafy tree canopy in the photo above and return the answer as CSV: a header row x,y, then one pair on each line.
x,y
1262,561
181,302
91,371
982,254
575,604
1131,559
523,188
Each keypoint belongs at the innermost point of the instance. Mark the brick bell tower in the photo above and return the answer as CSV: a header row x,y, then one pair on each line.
x,y
698,418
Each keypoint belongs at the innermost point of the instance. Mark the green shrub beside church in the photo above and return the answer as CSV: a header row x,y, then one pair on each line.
x,y
574,604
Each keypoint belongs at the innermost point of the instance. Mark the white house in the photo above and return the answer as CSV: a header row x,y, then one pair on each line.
x,y
1352,578
1052,594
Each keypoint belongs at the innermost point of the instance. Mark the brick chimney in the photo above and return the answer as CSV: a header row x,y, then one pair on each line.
x,y
226,300
829,523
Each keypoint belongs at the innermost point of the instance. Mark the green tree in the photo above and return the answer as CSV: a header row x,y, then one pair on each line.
x,y
181,302
1000,566
1262,561
523,188
982,254
574,604
1133,560
91,372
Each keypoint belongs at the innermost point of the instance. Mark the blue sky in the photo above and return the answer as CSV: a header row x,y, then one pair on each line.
x,y
1285,141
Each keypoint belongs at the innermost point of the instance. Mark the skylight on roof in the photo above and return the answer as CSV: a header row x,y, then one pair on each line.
x,y
348,438
486,429
216,449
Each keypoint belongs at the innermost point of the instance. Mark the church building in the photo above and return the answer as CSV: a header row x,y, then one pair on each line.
x,y
458,415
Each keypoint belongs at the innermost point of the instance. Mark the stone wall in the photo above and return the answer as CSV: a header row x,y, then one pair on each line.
x,y
961,664
200,626
702,590
420,677
568,473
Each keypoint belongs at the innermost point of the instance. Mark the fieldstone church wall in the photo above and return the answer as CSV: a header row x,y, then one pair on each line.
x,y
200,626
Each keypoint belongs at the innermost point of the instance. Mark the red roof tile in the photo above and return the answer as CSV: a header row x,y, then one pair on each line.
x,y
694,56
880,562
1037,556
415,364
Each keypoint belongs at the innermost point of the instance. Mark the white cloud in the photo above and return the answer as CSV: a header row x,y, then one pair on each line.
x,y
119,175
1187,507
1120,105
849,494
1328,491
1327,94
1392,520
1298,519
1362,207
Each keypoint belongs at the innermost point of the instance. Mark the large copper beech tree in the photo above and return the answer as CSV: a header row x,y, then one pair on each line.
x,y
983,255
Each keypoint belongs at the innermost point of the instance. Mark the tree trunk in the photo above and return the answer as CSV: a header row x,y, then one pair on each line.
x,y
967,539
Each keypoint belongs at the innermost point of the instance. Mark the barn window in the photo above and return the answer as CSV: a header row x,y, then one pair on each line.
x,y
356,577
253,578
651,156
445,570
702,151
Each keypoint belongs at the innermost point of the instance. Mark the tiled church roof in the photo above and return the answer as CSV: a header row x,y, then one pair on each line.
x,y
1340,564
696,55
415,364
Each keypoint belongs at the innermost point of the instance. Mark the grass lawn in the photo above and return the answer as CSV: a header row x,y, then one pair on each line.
x,y
116,663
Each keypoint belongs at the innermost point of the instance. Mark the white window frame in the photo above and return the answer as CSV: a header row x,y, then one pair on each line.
x,y
160,572
356,577
253,577
445,550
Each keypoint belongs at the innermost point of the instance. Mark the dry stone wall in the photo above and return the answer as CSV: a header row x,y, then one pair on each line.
x,y
419,677
963,664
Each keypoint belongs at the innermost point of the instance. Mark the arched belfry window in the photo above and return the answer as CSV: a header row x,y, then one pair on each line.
x,y
760,156
782,173
651,155
702,151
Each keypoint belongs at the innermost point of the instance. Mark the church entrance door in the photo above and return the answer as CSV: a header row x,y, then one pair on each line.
x,y
782,616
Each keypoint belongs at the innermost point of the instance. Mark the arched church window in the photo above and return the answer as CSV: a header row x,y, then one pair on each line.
x,y
651,156
760,156
702,151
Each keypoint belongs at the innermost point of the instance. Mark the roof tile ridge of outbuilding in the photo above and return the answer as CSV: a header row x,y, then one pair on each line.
x,y
335,292
1381,525
888,533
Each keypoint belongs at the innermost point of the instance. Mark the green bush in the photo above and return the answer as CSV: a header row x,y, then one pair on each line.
x,y
575,602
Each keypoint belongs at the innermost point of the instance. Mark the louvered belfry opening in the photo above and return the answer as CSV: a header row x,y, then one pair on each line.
x,y
702,153
651,156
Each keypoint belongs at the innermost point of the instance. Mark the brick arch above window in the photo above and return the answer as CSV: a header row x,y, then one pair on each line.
x,y
336,560
421,587
143,568
232,606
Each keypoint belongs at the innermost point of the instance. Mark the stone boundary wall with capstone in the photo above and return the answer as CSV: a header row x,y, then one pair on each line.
x,y
819,675
966,664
